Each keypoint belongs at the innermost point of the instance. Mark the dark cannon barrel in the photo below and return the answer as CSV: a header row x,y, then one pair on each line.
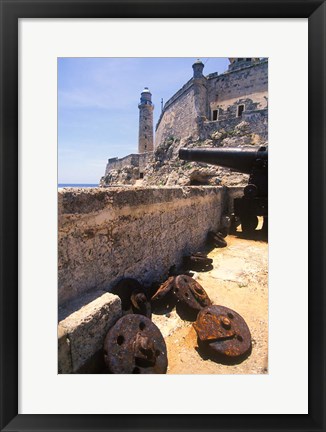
x,y
238,159
252,161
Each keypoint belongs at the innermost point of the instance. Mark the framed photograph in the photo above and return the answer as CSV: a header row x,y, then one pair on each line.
x,y
282,387
168,243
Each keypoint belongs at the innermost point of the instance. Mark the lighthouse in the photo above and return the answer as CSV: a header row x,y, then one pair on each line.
x,y
146,107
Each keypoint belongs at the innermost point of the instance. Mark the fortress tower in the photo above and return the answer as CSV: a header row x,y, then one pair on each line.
x,y
198,68
200,89
145,140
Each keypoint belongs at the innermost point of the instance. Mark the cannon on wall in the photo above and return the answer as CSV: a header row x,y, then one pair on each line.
x,y
254,162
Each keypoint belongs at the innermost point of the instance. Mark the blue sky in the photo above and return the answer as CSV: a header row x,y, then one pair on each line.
x,y
98,107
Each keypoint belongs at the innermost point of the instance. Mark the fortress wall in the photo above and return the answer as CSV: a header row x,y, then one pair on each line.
x,y
250,82
184,114
179,118
120,163
257,124
135,160
106,234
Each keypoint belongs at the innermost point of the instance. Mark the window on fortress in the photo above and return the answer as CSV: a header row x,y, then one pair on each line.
x,y
141,175
240,110
215,115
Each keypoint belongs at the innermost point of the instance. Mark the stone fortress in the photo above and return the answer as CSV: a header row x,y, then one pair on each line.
x,y
217,110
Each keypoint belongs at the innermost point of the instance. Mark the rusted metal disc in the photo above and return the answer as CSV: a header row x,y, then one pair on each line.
x,y
140,304
216,239
223,331
124,288
197,261
191,293
200,257
223,232
134,345
164,289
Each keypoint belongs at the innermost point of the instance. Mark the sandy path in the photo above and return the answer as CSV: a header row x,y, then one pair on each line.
x,y
238,280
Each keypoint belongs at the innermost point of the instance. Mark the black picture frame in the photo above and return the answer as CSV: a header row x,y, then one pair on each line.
x,y
11,11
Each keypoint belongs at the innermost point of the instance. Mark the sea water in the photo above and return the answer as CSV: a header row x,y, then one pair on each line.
x,y
77,185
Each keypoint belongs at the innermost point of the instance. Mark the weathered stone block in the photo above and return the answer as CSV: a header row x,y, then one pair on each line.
x,y
64,353
85,329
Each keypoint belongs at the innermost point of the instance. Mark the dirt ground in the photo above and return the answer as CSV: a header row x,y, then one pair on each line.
x,y
238,280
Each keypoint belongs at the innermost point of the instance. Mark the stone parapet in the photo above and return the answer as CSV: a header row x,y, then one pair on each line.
x,y
109,233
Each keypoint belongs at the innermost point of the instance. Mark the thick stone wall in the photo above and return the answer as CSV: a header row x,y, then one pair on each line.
x,y
107,234
179,118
